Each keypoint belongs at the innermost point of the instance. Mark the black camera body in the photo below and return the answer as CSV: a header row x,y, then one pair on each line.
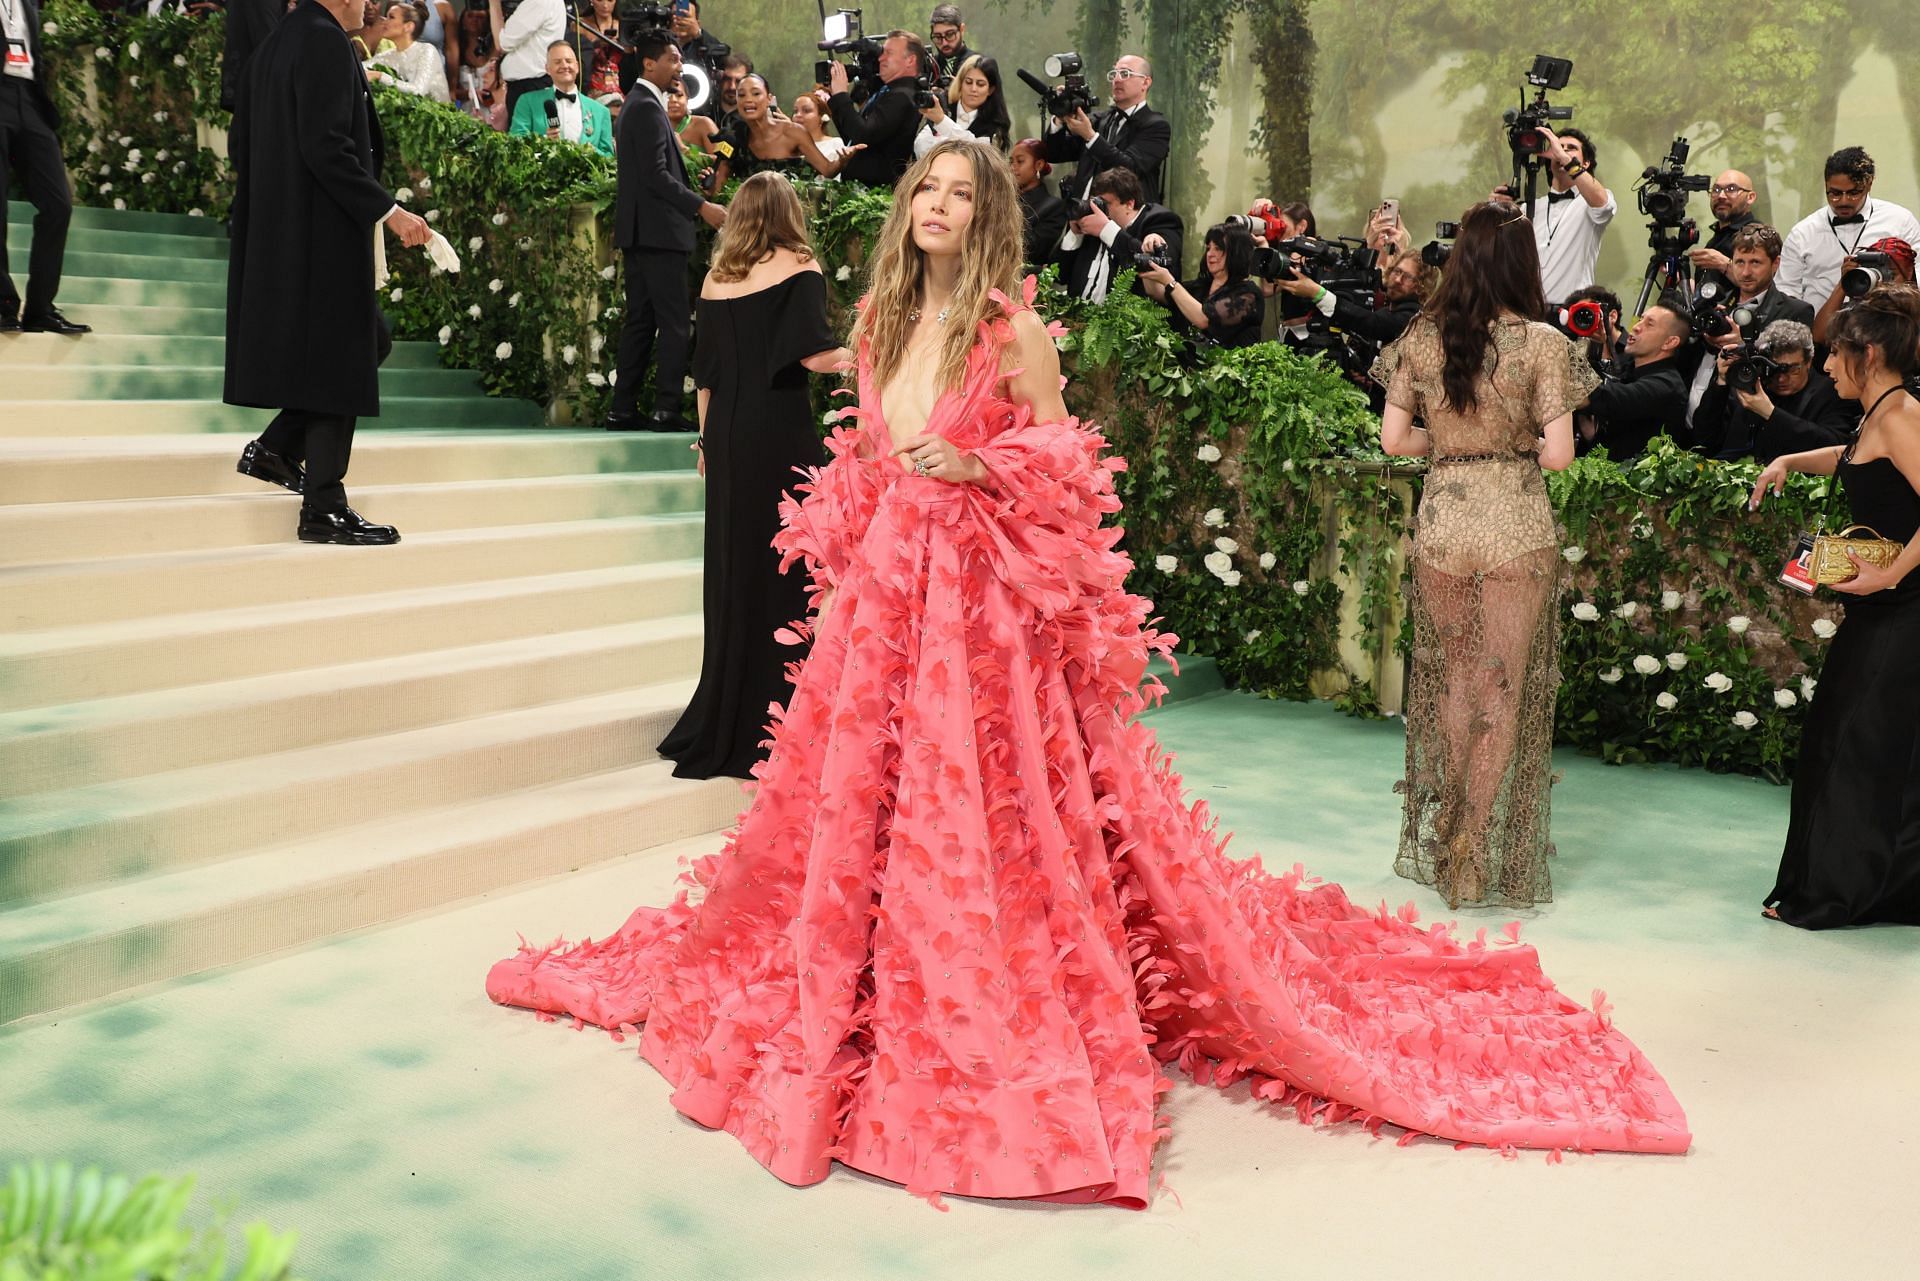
x,y
1436,251
1081,208
1525,123
1071,95
925,89
852,41
1663,187
1871,266
1714,310
1344,265
1749,368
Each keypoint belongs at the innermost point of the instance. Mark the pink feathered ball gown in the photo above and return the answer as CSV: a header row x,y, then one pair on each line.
x,y
968,914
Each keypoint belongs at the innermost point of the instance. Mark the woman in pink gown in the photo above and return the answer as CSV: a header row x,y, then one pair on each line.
x,y
968,915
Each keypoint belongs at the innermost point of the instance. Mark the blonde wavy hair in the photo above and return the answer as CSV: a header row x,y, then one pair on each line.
x,y
990,259
764,215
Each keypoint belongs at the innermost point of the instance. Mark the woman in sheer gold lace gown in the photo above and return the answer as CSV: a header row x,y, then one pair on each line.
x,y
1495,392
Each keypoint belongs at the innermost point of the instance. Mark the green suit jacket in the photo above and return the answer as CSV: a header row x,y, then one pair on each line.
x,y
596,122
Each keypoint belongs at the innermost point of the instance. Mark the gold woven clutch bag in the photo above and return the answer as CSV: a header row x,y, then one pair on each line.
x,y
1830,563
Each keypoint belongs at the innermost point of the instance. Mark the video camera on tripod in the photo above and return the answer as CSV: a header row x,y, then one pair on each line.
x,y
1527,124
842,33
1663,192
1071,95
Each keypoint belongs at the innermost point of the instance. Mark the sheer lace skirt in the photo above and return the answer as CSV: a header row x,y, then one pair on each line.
x,y
1480,731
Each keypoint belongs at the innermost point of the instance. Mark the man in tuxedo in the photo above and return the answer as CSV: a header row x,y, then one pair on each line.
x,y
653,218
1753,262
575,116
304,334
1131,135
1103,243
887,121
30,152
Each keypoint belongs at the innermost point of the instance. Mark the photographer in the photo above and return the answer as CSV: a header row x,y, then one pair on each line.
x,y
523,41
1569,220
1752,266
1115,227
1650,398
722,104
697,44
979,109
949,32
1603,347
1817,248
1732,196
1406,286
1222,304
1790,407
1131,135
1898,266
888,120
1045,213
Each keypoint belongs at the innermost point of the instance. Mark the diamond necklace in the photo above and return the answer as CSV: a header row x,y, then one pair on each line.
x,y
913,317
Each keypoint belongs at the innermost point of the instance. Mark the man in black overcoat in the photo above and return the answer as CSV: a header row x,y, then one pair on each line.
x,y
654,210
30,160
304,334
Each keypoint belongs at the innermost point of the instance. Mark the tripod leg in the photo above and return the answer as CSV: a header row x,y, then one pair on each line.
x,y
1652,278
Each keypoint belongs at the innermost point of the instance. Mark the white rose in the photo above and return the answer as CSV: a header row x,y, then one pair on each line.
x,y
1166,564
1646,664
1718,682
1301,587
495,285
93,146
50,28
133,82
1669,601
160,118
446,334
1218,562
179,59
1214,518
606,272
1738,624
133,156
1807,686
1676,661
1824,628
1745,720
161,155
1784,698
179,166
1627,610
1227,545
513,299
125,140
595,341
102,53
503,352
1574,555
500,220
196,213
688,385
525,244
1253,636
1665,702
829,418
569,353
119,203
426,184
1612,676
105,187
433,215
1208,453
403,195
1231,578
474,243
844,274
474,311
1585,610
397,294
613,376
597,378
133,51
1268,560
1286,464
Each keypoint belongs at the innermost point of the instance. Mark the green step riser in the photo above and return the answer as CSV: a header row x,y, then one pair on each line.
x,y
143,267
172,383
126,220
211,416
95,240
203,351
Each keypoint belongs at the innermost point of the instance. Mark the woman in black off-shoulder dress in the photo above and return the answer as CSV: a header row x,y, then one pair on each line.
x,y
762,325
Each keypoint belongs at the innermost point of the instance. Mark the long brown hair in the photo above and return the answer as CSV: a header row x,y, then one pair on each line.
x,y
765,215
1888,318
1494,270
990,259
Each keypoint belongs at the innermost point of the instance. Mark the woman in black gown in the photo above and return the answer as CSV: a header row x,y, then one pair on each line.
x,y
762,326
1853,840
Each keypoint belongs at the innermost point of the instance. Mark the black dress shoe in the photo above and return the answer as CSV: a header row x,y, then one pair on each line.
x,y
51,321
346,527
668,420
9,320
261,463
625,422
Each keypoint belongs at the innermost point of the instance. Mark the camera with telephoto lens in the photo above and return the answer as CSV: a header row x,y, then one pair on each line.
x,y
1527,123
1586,319
1749,367
842,33
1072,94
1268,224
1870,267
1436,251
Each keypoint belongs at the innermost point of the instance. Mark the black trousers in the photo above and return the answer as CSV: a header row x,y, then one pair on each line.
x,y
656,304
517,87
322,442
30,152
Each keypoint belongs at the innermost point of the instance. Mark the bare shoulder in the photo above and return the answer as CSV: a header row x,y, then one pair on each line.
x,y
1031,339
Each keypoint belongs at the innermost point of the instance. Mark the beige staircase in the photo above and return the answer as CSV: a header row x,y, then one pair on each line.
x,y
216,742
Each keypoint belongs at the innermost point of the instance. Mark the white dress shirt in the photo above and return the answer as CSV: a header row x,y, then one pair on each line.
x,y
955,126
525,36
1567,233
1100,275
569,117
1811,257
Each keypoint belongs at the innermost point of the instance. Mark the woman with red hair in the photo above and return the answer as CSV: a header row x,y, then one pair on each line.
x,y
1046,213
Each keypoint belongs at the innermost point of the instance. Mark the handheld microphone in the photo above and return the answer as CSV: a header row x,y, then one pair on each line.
x,y
553,112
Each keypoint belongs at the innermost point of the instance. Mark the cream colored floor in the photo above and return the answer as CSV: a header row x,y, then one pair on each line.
x,y
366,1094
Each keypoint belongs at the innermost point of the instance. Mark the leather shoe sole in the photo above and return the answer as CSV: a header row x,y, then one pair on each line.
x,y
275,469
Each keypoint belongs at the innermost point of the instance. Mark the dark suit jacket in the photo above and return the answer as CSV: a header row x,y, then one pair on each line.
x,y
248,23
1046,216
654,205
1649,401
41,98
1725,428
1141,144
303,331
1077,263
1774,305
886,123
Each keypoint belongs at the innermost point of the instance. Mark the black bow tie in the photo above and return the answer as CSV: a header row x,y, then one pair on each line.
x,y
566,97
1554,197
1852,221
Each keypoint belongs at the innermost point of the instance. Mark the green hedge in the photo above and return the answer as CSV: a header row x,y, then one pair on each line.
x,y
1240,462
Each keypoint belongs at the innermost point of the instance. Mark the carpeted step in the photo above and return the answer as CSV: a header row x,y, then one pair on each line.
x,y
115,240
93,216
172,417
66,378
200,341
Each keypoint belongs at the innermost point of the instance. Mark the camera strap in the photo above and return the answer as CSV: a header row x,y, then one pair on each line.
x,y
1858,236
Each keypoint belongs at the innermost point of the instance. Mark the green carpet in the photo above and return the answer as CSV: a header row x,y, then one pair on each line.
x,y
365,1093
